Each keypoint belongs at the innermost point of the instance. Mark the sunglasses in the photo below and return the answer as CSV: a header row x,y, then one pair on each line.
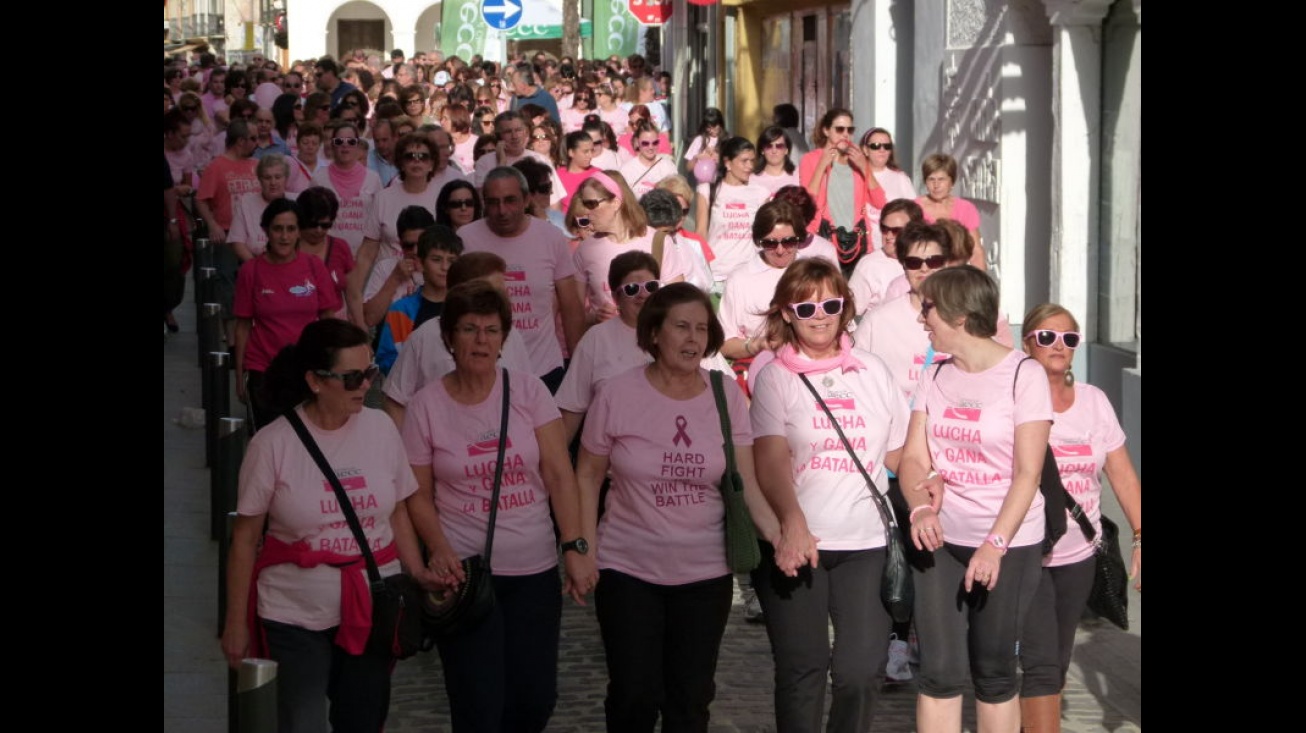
x,y
327,224
1046,337
461,204
412,101
916,263
794,242
351,380
895,231
648,143
776,146
540,136
342,141
844,130
648,286
417,156
807,309
880,146
593,204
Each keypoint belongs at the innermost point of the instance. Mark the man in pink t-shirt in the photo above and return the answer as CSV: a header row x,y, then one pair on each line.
x,y
540,268
513,131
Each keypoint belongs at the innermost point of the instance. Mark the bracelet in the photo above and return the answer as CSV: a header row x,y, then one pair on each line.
x,y
1138,542
911,518
748,346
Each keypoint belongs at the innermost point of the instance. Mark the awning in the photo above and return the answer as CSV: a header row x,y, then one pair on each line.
x,y
543,19
182,49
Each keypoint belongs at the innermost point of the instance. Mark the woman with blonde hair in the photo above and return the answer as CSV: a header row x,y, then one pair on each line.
x,y
618,224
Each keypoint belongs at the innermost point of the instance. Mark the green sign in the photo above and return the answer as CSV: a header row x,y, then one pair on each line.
x,y
615,30
524,32
462,32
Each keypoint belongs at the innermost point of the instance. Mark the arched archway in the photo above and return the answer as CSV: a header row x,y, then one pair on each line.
x,y
358,24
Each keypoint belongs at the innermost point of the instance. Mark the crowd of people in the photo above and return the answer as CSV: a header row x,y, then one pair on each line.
x,y
511,262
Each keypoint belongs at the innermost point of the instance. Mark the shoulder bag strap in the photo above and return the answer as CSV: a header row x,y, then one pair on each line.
x,y
498,470
885,515
658,240
1050,459
346,508
723,411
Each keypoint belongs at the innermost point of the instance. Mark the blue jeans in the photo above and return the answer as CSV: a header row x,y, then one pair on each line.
x,y
311,669
503,675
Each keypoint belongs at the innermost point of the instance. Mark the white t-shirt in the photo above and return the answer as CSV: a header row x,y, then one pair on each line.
x,y
424,359
730,225
896,185
830,489
643,178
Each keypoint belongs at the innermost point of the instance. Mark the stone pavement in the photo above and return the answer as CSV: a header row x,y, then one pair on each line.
x,y
1104,692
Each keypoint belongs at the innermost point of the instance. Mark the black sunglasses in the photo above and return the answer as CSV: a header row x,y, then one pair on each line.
x,y
916,263
353,379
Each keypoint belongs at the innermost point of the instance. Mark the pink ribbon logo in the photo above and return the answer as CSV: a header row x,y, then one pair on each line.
x,y
681,423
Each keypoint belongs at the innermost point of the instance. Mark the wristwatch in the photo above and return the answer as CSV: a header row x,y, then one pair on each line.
x,y
997,541
580,544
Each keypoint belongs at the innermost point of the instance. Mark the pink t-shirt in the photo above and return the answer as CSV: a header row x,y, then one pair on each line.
x,y
573,119
537,259
664,520
280,299
896,185
594,257
223,182
464,153
605,351
339,262
571,183
775,183
830,489
1081,438
971,423
460,443
382,217
892,333
730,225
963,212
183,167
617,117
424,358
644,178
246,221
353,211
609,160
871,279
280,479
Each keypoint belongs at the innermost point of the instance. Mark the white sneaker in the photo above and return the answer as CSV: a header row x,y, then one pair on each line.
x,y
899,668
752,607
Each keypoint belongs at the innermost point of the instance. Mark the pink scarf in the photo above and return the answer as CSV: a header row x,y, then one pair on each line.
x,y
789,357
347,183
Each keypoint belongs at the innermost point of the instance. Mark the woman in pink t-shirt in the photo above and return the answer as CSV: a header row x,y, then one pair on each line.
x,y
501,674
665,588
724,211
278,293
292,591
940,174
1086,440
318,206
978,434
775,169
820,493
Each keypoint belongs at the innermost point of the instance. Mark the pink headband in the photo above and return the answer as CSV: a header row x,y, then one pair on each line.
x,y
608,183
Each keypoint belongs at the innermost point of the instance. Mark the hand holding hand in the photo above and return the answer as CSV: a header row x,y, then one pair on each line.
x,y
927,530
581,577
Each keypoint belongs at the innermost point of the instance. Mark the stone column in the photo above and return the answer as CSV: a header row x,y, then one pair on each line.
x,y
1076,109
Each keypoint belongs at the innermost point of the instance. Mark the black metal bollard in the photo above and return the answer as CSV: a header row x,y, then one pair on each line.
x,y
228,451
210,335
253,707
205,285
203,252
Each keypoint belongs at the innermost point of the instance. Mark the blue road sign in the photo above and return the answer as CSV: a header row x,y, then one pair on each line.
x,y
501,14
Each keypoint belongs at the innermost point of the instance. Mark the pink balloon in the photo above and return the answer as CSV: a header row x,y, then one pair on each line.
x,y
705,170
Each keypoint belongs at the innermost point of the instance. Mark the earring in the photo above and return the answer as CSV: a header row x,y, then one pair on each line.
x,y
1070,378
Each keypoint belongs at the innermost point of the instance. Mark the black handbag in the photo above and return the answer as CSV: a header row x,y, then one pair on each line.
x,y
396,622
1049,484
1109,598
447,613
897,590
742,551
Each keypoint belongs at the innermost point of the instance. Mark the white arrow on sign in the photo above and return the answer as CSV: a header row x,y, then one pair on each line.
x,y
508,9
